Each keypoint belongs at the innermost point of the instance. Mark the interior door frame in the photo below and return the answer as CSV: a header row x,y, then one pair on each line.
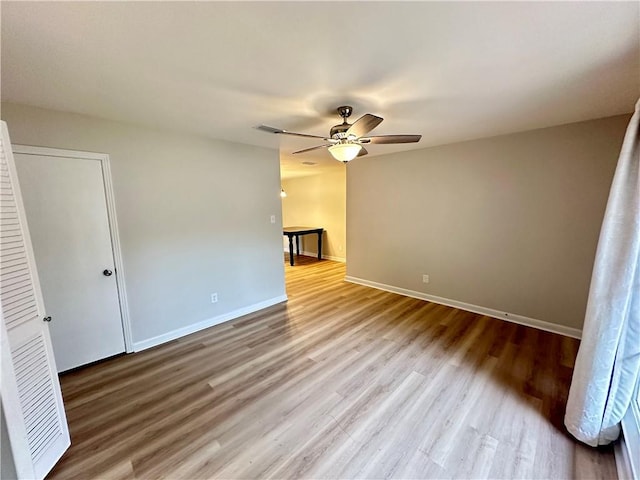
x,y
105,163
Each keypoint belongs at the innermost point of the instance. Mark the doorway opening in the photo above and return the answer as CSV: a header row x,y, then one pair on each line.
x,y
315,197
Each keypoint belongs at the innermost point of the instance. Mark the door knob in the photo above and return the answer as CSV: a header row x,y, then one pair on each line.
x,y
107,273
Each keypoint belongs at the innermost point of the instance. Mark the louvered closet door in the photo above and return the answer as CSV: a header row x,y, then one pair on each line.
x,y
31,397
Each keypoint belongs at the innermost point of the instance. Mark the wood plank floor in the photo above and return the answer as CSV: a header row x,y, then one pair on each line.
x,y
343,381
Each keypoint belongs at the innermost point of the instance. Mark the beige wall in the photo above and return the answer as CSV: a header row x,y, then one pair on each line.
x,y
509,223
318,201
193,215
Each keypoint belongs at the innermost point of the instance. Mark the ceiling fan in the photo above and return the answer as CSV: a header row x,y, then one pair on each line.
x,y
345,140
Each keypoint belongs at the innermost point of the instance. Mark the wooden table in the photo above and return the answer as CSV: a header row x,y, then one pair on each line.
x,y
296,232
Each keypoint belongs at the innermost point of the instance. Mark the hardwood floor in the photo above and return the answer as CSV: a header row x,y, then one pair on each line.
x,y
343,381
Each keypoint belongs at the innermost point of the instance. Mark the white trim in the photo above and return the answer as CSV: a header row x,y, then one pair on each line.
x,y
210,322
324,257
328,257
622,454
510,317
105,163
58,152
117,253
627,463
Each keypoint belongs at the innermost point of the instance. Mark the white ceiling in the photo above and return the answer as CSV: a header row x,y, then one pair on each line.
x,y
450,71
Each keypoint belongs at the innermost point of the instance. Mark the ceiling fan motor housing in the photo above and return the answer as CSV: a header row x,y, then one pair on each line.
x,y
339,131
344,111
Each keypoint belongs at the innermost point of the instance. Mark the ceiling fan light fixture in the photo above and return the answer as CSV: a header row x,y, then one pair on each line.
x,y
345,152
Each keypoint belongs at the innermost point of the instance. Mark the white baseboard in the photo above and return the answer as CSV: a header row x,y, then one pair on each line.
x,y
210,322
510,317
325,257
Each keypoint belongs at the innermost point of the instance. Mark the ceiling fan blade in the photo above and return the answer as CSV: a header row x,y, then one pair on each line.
x,y
312,148
363,152
364,125
268,129
392,139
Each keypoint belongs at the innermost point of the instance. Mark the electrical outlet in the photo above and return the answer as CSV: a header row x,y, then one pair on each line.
x,y
273,219
425,278
214,298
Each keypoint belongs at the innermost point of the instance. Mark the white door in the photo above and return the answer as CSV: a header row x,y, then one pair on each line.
x,y
30,390
65,201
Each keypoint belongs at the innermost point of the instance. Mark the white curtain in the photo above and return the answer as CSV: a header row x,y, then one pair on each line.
x,y
608,362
